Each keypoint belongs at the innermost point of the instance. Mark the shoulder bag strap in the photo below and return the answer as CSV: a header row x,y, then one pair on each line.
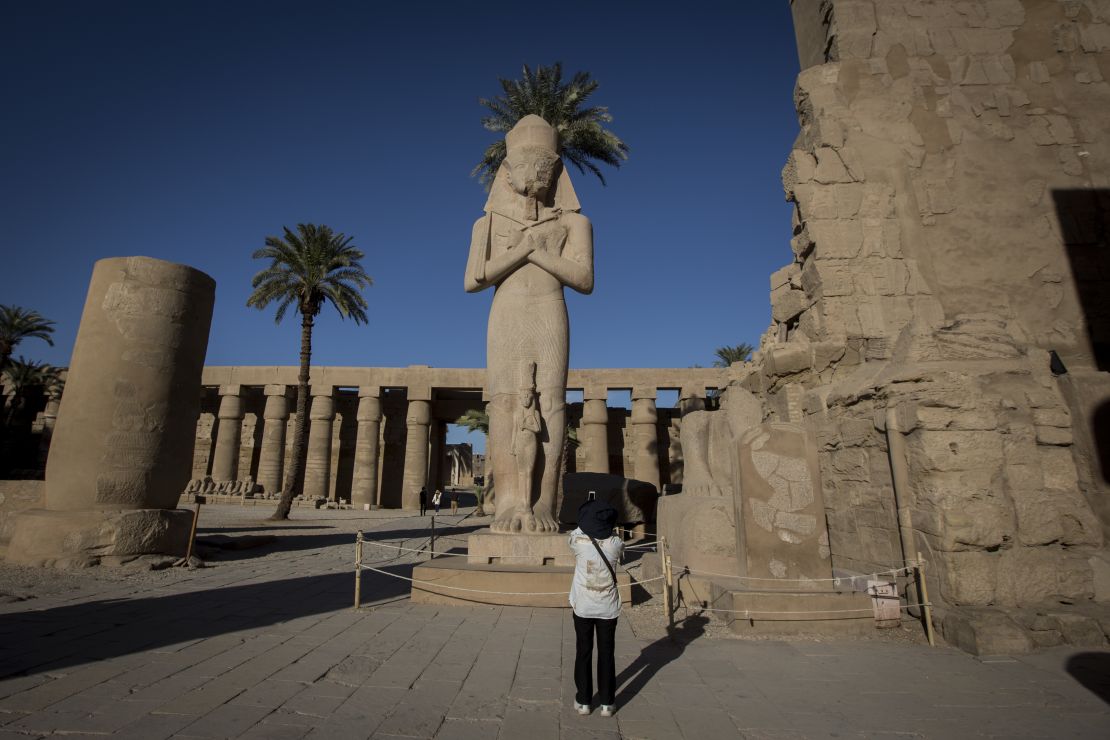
x,y
604,559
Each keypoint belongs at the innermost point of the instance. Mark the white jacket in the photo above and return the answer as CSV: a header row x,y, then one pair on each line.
x,y
593,592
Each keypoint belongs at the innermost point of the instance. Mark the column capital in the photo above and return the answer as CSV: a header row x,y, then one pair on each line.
x,y
369,408
691,391
277,389
644,411
231,406
369,391
420,393
419,413
323,407
594,411
643,392
277,406
595,392
321,391
231,390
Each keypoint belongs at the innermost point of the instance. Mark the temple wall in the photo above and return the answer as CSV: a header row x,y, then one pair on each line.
x,y
950,191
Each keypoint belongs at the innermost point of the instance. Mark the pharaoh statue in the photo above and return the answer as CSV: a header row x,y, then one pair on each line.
x,y
530,242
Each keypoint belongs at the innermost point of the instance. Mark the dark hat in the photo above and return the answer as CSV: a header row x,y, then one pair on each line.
x,y
597,519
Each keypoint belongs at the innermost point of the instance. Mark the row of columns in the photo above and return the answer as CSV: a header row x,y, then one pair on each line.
x,y
593,432
317,471
593,436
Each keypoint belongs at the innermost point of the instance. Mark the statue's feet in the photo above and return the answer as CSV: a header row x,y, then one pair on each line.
x,y
513,522
543,520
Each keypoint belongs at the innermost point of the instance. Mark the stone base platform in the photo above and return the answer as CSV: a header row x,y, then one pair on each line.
x,y
491,548
512,585
793,612
74,539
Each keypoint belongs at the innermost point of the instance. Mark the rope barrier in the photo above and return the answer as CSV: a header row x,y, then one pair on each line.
x,y
748,613
400,548
479,590
917,568
894,571
441,554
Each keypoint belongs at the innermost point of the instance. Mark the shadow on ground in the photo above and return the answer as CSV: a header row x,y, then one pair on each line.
x,y
1092,671
654,657
52,639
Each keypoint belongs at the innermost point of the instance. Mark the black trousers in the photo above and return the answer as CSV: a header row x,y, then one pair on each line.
x,y
584,629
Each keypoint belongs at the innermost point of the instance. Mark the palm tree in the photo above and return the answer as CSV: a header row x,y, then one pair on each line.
x,y
477,420
582,138
23,377
17,324
727,355
308,268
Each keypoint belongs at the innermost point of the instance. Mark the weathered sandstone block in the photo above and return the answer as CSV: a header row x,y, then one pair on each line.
x,y
781,514
124,436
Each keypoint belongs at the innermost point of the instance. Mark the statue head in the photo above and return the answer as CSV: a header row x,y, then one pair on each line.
x,y
532,156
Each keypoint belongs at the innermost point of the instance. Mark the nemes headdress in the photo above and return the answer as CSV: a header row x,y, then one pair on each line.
x,y
532,131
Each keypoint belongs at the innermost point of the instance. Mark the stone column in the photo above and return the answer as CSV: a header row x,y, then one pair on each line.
x,y
645,435
437,433
594,430
364,488
121,453
225,460
416,452
275,419
691,398
317,467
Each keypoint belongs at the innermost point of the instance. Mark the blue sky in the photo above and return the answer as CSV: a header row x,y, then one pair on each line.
x,y
189,131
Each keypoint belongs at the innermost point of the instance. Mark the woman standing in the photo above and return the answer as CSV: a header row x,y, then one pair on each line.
x,y
436,498
596,603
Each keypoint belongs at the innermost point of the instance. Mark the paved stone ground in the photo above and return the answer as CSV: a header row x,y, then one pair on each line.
x,y
265,644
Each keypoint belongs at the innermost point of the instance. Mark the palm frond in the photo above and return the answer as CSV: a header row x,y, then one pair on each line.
x,y
542,92
309,266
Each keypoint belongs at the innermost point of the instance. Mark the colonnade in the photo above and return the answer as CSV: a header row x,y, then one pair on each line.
x,y
379,433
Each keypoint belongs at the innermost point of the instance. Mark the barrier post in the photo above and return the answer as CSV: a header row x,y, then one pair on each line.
x,y
670,590
664,560
432,544
926,609
193,530
358,569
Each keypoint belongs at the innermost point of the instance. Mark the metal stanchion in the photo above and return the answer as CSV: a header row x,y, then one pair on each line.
x,y
432,543
358,569
923,590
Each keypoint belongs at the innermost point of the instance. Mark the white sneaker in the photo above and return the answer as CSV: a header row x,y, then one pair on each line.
x,y
607,710
581,708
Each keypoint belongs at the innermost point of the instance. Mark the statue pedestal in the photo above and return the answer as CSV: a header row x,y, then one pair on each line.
x,y
506,569
83,537
493,548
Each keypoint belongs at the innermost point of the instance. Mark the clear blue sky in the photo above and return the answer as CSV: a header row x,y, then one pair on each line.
x,y
189,131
